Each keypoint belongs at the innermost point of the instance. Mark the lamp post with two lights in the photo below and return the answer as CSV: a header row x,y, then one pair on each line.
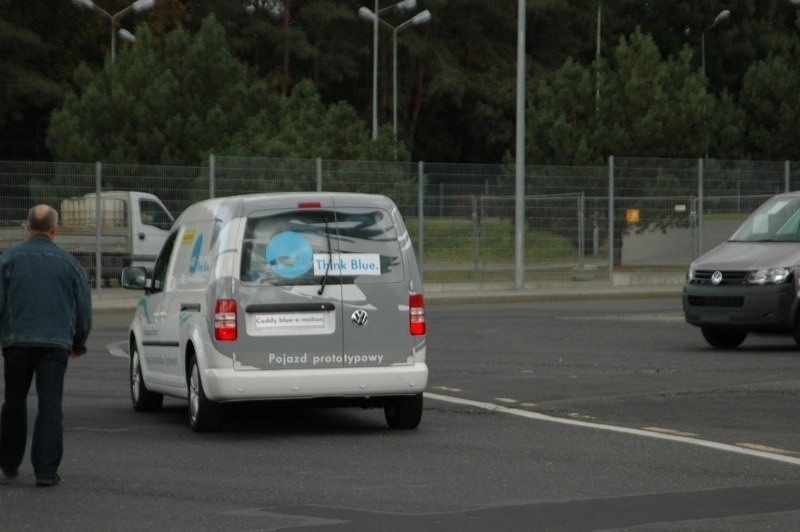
x,y
374,18
138,6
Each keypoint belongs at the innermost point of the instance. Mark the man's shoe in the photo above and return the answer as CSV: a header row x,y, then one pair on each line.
x,y
46,482
8,475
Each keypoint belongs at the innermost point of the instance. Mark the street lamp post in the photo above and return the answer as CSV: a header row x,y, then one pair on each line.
x,y
722,16
719,18
374,17
138,6
420,18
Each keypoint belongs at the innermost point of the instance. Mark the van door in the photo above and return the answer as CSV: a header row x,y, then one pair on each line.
x,y
375,288
160,346
291,303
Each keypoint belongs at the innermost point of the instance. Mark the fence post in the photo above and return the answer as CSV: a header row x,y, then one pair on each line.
x,y
319,174
581,234
421,218
476,252
693,219
700,205
787,175
611,220
98,216
211,175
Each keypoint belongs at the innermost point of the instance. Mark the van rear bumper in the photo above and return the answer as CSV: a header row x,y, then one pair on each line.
x,y
225,385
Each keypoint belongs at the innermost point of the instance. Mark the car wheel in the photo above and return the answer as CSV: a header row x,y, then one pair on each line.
x,y
143,400
403,412
204,414
724,338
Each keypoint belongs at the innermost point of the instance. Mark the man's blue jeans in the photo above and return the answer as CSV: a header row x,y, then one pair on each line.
x,y
49,365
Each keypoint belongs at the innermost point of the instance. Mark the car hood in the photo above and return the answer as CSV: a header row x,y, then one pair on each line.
x,y
749,256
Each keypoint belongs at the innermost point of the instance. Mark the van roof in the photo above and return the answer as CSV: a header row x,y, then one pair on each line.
x,y
286,200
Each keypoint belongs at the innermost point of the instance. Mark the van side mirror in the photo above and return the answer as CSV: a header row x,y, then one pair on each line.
x,y
134,277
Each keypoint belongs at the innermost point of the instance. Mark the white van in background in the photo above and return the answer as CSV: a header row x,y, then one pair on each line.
x,y
282,296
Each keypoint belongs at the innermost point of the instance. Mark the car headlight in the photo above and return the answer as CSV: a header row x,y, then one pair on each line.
x,y
769,276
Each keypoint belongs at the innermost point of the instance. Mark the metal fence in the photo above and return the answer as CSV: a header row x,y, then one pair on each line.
x,y
661,213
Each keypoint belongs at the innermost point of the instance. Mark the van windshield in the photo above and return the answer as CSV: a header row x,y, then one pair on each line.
x,y
777,220
306,246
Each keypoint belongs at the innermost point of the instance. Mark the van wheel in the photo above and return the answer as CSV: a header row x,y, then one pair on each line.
x,y
796,330
403,412
143,399
204,414
724,338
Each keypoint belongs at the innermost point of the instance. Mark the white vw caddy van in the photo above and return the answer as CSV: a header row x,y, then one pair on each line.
x,y
282,296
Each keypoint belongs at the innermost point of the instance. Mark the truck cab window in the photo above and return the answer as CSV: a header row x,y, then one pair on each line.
x,y
152,213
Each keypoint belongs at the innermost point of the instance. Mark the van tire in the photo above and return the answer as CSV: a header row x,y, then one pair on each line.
x,y
724,338
796,330
143,400
205,415
403,412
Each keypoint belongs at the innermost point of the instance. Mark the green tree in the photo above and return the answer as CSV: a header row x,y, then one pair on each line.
x,y
649,106
561,118
27,92
302,126
168,101
456,74
177,99
646,107
36,56
770,99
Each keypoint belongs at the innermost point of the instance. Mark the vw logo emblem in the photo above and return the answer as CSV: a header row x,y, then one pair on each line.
x,y
359,318
716,278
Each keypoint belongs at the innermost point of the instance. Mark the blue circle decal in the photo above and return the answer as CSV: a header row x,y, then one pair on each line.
x,y
289,254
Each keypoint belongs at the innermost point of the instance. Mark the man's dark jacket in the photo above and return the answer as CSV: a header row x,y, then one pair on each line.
x,y
45,299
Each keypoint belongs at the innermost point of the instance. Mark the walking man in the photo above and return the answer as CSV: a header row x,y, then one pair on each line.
x,y
45,318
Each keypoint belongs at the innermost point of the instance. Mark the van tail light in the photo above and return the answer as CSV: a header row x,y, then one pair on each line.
x,y
416,315
225,320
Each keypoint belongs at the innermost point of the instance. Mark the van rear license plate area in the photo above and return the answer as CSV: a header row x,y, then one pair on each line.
x,y
290,323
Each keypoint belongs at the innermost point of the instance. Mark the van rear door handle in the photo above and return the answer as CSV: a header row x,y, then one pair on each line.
x,y
141,236
190,307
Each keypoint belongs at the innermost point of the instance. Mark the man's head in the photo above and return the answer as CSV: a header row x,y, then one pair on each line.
x,y
42,220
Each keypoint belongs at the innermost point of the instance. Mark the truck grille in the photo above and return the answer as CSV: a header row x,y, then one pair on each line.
x,y
716,301
728,276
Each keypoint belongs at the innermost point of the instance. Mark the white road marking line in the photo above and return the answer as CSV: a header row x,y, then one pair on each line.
x,y
117,349
663,430
765,448
611,428
446,389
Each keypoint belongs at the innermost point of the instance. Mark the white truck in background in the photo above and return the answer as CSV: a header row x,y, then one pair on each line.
x,y
133,227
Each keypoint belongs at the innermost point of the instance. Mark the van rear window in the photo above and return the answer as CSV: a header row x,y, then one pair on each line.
x,y
305,246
